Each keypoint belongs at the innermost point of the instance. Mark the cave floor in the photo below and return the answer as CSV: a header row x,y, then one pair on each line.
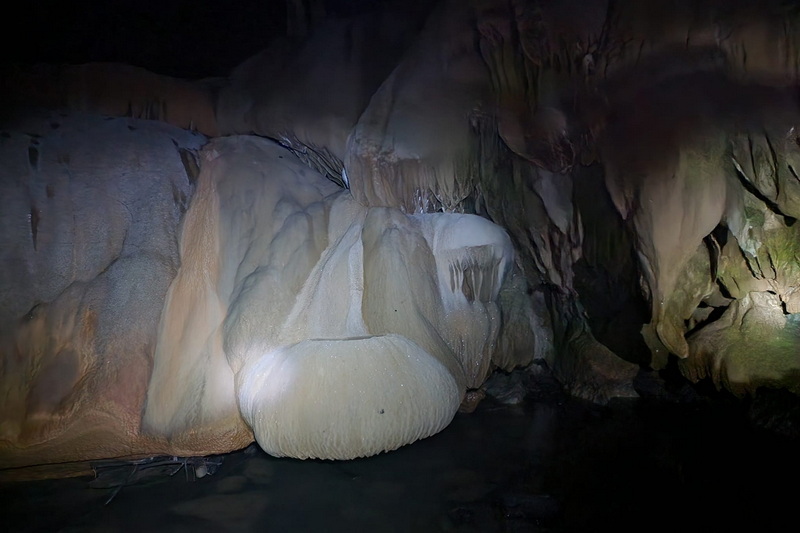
x,y
556,465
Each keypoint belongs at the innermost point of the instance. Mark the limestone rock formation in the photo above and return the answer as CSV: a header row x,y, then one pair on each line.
x,y
325,314
412,147
308,95
599,187
284,283
89,229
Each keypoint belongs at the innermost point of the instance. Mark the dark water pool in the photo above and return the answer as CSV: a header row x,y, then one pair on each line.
x,y
635,465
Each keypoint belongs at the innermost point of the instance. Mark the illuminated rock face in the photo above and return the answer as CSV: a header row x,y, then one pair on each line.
x,y
565,181
339,331
296,315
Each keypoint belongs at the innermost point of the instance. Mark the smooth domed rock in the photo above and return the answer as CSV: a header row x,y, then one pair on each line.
x,y
89,227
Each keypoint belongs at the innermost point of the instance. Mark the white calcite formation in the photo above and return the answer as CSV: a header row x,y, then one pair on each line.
x,y
473,258
335,330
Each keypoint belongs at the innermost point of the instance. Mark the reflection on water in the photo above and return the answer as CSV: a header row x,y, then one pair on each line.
x,y
554,465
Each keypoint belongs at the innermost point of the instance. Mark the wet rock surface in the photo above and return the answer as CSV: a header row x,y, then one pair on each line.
x,y
549,463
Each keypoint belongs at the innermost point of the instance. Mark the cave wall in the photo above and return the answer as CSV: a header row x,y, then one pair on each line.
x,y
642,162
91,211
660,106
